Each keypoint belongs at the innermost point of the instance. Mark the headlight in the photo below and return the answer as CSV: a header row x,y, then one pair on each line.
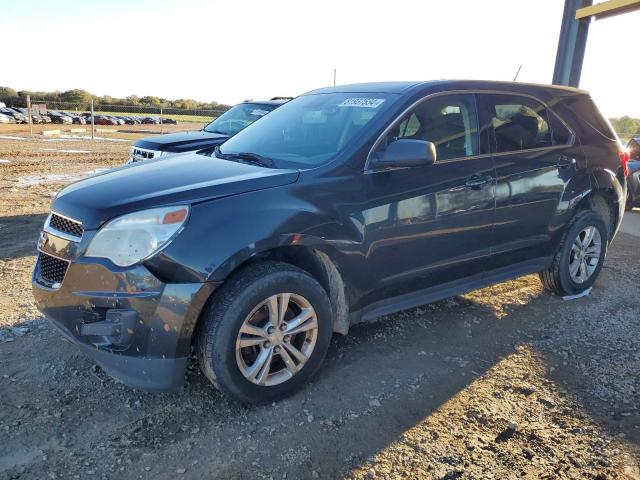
x,y
131,238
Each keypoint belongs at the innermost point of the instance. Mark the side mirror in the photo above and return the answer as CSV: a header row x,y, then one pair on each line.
x,y
406,152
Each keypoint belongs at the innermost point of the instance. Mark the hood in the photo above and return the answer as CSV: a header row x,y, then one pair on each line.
x,y
183,179
182,141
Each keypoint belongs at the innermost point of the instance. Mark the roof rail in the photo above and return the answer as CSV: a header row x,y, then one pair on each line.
x,y
281,98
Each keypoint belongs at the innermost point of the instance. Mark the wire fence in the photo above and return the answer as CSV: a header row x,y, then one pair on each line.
x,y
98,115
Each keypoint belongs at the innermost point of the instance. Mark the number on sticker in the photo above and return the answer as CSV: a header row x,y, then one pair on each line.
x,y
362,102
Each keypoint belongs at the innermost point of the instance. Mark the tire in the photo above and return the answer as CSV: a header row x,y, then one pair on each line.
x,y
236,304
558,278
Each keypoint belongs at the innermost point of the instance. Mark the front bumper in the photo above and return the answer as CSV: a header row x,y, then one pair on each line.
x,y
138,328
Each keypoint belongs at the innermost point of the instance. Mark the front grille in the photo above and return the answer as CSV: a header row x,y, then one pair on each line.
x,y
65,225
51,269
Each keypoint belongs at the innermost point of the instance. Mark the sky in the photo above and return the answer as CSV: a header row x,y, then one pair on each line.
x,y
229,51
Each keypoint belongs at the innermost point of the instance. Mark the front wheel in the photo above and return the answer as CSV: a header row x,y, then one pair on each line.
x,y
266,333
580,256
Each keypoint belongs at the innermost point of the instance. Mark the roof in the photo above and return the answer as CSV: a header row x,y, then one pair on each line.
x,y
401,87
373,87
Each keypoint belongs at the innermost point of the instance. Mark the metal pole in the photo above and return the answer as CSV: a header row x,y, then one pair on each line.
x,y
29,115
161,130
334,77
571,44
93,124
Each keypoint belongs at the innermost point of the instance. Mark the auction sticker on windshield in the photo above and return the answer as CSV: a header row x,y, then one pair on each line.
x,y
362,102
259,113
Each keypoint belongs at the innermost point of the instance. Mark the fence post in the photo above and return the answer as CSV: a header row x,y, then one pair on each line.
x,y
93,125
161,128
29,115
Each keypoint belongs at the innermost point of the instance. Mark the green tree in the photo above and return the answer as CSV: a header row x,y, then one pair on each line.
x,y
76,96
132,100
153,101
6,92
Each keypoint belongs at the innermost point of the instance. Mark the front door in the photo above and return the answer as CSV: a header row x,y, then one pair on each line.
x,y
429,225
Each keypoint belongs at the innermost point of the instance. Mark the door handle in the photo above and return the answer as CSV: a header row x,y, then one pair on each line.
x,y
564,161
476,181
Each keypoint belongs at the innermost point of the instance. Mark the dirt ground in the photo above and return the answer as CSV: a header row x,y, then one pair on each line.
x,y
505,382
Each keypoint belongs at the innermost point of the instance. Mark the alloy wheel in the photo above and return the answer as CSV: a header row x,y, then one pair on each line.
x,y
585,254
276,339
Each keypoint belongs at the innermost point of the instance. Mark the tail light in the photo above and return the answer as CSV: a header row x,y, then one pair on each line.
x,y
624,155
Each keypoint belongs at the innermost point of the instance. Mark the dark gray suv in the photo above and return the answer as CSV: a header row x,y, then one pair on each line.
x,y
342,205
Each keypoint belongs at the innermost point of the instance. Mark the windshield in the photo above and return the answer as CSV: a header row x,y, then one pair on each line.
x,y
238,118
310,130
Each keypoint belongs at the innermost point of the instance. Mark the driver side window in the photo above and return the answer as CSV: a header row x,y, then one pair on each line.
x,y
450,122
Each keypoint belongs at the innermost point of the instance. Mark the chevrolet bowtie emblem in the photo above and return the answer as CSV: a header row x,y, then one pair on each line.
x,y
42,240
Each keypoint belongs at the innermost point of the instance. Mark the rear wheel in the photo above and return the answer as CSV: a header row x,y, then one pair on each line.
x,y
266,333
580,256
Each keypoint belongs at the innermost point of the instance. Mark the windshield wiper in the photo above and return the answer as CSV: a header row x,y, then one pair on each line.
x,y
215,131
246,157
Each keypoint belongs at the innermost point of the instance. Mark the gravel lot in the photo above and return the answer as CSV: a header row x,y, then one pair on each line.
x,y
504,382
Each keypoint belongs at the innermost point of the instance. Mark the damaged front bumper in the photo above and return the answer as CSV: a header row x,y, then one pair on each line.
x,y
135,326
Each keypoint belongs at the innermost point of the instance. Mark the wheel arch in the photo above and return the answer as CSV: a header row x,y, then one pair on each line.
x,y
606,198
310,254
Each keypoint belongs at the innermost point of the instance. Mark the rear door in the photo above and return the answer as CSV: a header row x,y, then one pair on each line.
x,y
535,160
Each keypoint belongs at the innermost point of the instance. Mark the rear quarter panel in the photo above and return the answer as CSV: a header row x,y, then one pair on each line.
x,y
600,145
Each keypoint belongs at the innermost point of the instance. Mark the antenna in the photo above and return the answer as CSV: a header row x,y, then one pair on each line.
x,y
334,77
517,73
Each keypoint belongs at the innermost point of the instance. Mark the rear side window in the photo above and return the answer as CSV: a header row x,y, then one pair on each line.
x,y
559,131
522,123
450,122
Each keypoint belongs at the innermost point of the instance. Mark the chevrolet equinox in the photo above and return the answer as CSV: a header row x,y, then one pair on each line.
x,y
343,205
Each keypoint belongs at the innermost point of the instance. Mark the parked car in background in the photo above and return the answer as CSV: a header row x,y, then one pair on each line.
x,y
75,118
150,120
213,134
116,120
128,120
60,118
6,118
46,118
169,121
345,204
35,118
17,116
633,197
103,120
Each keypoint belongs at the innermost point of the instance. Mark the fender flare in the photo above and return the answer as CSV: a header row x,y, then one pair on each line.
x,y
323,254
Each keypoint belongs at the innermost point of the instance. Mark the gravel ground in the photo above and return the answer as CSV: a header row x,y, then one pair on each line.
x,y
504,382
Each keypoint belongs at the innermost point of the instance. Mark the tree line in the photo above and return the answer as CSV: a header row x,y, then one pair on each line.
x,y
83,98
626,126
